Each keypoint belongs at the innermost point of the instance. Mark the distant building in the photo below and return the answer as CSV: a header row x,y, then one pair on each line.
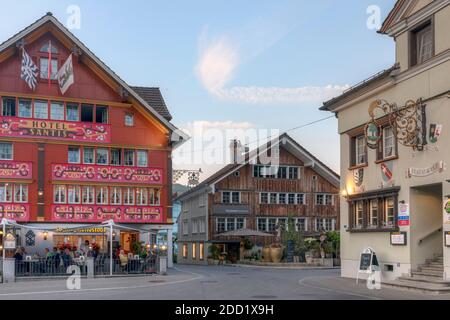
x,y
250,195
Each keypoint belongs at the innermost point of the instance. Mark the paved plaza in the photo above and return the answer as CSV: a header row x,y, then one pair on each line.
x,y
213,283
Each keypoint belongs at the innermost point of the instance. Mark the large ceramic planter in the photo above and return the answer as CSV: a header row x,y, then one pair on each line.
x,y
276,254
266,254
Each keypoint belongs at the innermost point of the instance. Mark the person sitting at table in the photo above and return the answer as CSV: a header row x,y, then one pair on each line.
x,y
18,255
66,258
123,260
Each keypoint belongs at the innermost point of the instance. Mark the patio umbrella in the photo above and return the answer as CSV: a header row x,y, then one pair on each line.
x,y
245,233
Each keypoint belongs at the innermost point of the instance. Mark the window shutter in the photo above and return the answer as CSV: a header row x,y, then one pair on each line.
x,y
352,151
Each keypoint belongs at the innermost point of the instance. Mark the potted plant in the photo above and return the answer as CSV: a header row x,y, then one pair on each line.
x,y
276,252
214,253
266,254
248,246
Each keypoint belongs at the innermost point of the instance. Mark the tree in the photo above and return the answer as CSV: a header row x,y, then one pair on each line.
x,y
290,234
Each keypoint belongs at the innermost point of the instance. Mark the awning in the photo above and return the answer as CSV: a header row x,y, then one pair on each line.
x,y
245,233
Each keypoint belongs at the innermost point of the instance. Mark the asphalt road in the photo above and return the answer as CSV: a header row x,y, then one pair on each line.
x,y
211,283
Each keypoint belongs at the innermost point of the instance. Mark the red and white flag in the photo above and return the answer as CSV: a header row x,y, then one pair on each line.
x,y
65,75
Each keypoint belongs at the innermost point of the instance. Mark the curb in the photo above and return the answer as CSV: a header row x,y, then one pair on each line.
x,y
284,267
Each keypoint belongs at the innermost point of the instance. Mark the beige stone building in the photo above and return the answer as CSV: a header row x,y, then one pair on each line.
x,y
395,151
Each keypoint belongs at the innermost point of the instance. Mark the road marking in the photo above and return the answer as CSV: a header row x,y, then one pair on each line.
x,y
302,283
196,276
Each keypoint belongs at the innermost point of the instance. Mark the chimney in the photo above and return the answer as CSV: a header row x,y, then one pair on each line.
x,y
236,151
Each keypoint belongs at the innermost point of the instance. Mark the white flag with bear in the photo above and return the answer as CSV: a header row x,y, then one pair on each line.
x,y
65,75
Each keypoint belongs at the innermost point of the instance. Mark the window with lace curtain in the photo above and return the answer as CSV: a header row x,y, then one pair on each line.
x,y
422,44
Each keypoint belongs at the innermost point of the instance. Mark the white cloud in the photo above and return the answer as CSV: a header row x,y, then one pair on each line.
x,y
218,63
221,125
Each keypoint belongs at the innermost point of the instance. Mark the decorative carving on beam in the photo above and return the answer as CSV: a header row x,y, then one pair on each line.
x,y
124,94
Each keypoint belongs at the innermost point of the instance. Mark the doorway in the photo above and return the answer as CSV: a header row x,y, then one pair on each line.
x,y
127,239
426,223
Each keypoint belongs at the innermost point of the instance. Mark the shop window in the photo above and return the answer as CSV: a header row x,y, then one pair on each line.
x,y
87,113
25,109
8,107
88,155
72,112
128,196
101,114
6,151
185,250
57,111
129,119
40,109
73,155
201,251
194,251
6,192
154,197
142,158
59,194
88,195
116,157
102,156
128,157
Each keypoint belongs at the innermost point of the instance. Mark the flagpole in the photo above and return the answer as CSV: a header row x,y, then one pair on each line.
x,y
49,62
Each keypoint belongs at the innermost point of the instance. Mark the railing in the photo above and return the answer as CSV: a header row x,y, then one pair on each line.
x,y
429,235
47,267
102,265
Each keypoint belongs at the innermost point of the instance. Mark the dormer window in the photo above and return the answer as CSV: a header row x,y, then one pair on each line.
x,y
422,44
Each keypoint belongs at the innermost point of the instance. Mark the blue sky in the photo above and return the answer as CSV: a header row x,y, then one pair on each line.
x,y
258,64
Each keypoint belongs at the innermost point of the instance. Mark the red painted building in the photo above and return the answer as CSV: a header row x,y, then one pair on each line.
x,y
100,151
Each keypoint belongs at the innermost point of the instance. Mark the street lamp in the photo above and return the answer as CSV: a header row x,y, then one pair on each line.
x,y
45,234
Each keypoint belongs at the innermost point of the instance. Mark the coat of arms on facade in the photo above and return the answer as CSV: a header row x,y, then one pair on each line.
x,y
387,173
358,177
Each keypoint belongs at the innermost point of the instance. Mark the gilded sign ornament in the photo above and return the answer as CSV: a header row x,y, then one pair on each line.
x,y
408,122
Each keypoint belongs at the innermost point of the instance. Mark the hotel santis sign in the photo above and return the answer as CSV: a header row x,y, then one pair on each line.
x,y
53,129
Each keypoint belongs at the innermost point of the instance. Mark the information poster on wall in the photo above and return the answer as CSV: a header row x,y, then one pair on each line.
x,y
447,238
403,215
447,211
398,238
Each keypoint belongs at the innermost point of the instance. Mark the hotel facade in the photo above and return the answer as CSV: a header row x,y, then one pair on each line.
x,y
101,151
394,136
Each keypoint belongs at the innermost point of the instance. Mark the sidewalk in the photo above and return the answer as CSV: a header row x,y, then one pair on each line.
x,y
349,286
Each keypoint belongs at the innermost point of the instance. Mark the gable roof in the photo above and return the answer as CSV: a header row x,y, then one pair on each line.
x,y
155,99
178,135
286,142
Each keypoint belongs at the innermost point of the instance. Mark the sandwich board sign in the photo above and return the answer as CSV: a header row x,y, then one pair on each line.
x,y
368,263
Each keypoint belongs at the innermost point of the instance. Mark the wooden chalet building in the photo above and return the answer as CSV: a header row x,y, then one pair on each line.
x,y
241,196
